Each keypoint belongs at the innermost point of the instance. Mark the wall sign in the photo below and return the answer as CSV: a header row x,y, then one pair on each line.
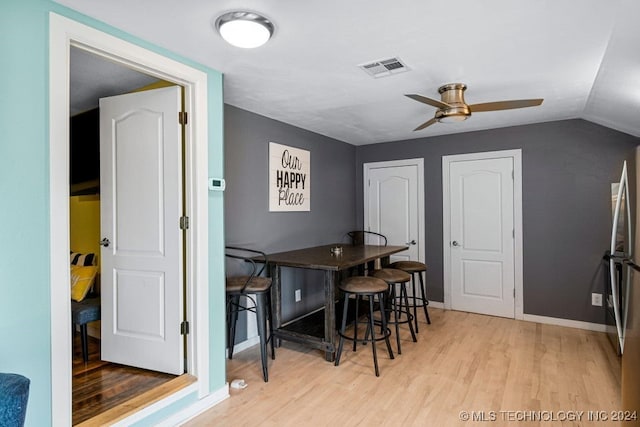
x,y
289,178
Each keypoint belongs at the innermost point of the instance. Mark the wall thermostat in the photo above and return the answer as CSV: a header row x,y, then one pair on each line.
x,y
217,184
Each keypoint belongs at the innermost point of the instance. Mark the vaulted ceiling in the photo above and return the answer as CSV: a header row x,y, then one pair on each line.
x,y
581,56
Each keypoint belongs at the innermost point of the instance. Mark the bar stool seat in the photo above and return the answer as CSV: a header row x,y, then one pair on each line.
x,y
255,284
409,266
399,304
392,275
413,268
364,287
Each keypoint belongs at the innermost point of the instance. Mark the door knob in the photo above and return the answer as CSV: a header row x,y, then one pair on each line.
x,y
105,242
454,243
413,242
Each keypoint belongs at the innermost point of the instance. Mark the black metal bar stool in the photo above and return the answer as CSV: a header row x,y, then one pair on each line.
x,y
361,287
413,268
257,289
398,304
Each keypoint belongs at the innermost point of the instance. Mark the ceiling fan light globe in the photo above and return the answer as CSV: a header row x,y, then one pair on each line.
x,y
453,118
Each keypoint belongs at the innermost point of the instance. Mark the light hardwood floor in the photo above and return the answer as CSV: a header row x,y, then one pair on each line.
x,y
461,362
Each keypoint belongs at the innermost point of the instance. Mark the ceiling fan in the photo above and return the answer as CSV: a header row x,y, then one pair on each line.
x,y
452,108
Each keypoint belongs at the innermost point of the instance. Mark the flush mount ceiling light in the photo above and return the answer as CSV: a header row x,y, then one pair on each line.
x,y
244,29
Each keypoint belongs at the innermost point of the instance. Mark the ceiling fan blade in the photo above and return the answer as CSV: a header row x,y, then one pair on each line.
x,y
425,124
425,100
505,105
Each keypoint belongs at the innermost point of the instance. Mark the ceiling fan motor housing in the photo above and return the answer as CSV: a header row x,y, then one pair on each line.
x,y
453,95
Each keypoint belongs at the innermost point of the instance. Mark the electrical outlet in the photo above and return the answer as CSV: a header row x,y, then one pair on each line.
x,y
299,295
596,299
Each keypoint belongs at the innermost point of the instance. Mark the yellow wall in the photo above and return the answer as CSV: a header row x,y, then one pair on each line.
x,y
84,235
84,224
155,85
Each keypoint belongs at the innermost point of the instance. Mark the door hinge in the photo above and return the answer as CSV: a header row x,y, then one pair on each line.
x,y
184,222
513,233
514,293
184,328
183,117
513,175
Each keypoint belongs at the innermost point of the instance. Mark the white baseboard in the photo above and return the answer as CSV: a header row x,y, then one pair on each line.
x,y
578,324
197,408
157,406
249,342
596,327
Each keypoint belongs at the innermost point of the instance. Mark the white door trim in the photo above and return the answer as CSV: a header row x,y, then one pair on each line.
x,y
419,162
516,155
64,33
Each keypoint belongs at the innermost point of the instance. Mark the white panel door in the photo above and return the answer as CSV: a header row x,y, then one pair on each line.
x,y
482,236
141,205
393,207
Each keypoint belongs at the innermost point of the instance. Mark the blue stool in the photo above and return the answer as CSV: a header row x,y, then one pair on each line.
x,y
83,312
14,393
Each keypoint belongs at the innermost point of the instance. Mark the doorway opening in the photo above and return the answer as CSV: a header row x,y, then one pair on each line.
x,y
65,33
97,383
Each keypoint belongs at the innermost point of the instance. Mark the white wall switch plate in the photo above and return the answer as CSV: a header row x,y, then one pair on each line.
x,y
596,299
298,295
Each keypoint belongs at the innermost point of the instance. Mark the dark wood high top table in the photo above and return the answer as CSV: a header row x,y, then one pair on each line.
x,y
302,330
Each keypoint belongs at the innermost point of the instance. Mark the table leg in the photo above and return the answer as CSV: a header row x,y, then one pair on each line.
x,y
330,280
276,298
370,267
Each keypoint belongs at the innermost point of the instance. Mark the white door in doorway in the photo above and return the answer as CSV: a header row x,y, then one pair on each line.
x,y
394,204
480,233
141,205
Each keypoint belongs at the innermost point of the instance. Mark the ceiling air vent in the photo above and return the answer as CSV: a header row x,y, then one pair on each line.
x,y
384,67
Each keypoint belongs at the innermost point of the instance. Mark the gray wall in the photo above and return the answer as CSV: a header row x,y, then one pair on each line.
x,y
568,168
248,221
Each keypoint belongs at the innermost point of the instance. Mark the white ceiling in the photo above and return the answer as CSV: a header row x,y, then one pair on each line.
x,y
581,56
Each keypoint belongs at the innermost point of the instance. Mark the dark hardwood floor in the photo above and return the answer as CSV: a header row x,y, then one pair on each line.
x,y
99,386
